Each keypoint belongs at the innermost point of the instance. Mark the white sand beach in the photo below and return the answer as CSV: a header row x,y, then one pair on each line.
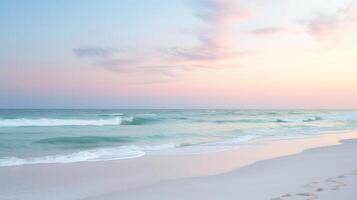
x,y
178,100
309,168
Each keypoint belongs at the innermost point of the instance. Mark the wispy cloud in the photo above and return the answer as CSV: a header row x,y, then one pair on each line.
x,y
116,62
219,12
332,25
215,40
94,51
266,31
215,47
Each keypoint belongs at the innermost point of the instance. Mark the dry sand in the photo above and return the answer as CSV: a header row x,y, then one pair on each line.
x,y
270,170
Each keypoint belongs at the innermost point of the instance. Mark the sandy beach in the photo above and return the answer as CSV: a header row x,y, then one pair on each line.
x,y
178,100
321,167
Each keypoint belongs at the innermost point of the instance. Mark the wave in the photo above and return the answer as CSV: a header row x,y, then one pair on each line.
x,y
239,121
112,114
272,113
102,154
223,121
59,122
159,147
240,140
281,121
113,119
316,118
118,120
297,113
91,141
86,140
138,120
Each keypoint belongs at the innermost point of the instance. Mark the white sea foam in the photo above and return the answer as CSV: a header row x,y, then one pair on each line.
x,y
59,122
102,154
159,147
113,114
240,140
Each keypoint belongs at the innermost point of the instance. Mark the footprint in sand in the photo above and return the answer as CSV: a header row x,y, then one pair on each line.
x,y
311,184
336,184
298,196
328,184
315,187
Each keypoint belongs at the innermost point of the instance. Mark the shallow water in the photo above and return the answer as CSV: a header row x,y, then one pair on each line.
x,y
64,136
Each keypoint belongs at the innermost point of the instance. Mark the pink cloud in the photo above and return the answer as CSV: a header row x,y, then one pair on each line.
x,y
331,25
215,48
220,12
215,40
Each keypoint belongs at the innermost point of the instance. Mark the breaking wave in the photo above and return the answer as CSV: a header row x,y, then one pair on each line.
x,y
59,122
112,114
92,141
118,120
83,141
102,154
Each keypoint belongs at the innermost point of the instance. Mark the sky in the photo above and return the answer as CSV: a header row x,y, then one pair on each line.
x,y
269,54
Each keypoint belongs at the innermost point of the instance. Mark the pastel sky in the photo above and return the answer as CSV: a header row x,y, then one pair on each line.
x,y
178,54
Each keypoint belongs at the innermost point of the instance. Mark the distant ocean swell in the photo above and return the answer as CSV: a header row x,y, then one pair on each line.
x,y
310,119
117,120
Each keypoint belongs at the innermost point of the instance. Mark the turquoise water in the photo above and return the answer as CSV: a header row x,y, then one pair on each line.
x,y
65,136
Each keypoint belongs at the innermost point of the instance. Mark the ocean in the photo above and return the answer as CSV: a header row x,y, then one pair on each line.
x,y
81,135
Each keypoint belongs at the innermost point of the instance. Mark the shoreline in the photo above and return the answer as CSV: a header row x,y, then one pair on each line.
x,y
103,178
328,173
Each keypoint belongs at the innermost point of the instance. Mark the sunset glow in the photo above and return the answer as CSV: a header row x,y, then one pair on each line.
x,y
179,54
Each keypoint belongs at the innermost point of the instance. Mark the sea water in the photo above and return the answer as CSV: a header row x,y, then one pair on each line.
x,y
66,136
